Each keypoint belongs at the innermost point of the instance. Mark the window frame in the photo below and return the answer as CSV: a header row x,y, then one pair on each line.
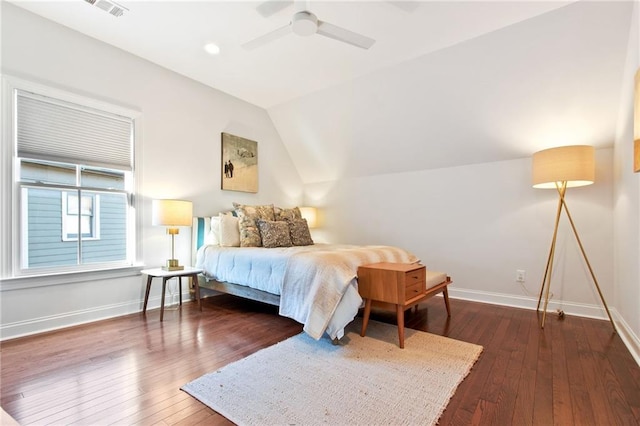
x,y
11,272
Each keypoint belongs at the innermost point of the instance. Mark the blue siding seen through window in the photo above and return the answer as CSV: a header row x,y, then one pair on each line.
x,y
45,244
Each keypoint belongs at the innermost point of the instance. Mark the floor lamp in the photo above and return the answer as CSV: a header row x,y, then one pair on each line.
x,y
562,168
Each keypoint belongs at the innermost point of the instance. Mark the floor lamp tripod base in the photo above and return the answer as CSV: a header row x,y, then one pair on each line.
x,y
546,280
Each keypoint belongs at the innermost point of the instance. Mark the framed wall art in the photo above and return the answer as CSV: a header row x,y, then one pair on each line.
x,y
239,164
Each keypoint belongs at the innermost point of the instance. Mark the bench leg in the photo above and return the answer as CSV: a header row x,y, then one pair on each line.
x,y
445,293
365,318
400,315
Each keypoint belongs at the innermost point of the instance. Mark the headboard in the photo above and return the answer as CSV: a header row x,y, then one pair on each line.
x,y
200,228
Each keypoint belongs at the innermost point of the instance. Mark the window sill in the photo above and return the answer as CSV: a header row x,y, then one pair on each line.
x,y
34,281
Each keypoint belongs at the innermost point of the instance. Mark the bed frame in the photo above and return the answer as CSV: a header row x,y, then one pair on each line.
x,y
239,290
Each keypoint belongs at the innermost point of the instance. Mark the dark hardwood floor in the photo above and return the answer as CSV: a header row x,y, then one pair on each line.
x,y
129,370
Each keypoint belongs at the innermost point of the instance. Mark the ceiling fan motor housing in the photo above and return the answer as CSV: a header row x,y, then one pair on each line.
x,y
304,23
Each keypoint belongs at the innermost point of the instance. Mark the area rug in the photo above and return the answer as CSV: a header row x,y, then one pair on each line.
x,y
363,380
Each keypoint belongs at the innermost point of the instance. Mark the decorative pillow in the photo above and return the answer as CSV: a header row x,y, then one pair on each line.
x,y
202,232
229,231
274,233
299,232
249,232
287,214
213,237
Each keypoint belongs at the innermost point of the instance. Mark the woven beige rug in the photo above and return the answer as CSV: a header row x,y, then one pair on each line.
x,y
366,380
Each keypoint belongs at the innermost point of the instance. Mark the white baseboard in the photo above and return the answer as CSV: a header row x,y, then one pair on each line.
x,y
70,319
578,309
527,302
631,341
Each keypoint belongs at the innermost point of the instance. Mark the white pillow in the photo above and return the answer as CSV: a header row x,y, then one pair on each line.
x,y
213,237
229,231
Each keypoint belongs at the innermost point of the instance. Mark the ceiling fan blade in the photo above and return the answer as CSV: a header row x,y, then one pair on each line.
x,y
346,36
270,7
268,37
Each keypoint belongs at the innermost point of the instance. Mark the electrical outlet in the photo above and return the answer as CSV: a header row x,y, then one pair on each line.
x,y
520,275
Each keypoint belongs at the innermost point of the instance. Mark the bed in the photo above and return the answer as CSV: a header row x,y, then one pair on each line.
x,y
315,284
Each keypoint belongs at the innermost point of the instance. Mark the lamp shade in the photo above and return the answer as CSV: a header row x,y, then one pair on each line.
x,y
172,212
572,164
311,215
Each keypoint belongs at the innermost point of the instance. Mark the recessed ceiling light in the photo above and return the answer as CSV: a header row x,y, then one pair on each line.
x,y
212,48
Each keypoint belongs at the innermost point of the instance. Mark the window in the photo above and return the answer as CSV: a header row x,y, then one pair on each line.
x,y
78,212
74,179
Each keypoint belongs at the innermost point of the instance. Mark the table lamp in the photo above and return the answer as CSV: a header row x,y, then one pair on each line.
x,y
562,168
311,215
172,213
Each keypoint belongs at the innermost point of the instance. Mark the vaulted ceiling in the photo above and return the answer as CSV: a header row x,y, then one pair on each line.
x,y
552,80
446,83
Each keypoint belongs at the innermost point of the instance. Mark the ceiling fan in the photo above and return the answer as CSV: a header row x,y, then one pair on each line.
x,y
305,23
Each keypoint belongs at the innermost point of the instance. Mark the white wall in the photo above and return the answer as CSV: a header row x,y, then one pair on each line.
x,y
481,223
627,203
179,158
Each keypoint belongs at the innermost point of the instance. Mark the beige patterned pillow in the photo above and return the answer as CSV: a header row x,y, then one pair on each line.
x,y
249,232
299,232
274,233
287,214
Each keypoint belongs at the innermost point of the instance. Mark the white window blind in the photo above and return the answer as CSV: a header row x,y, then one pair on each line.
x,y
54,130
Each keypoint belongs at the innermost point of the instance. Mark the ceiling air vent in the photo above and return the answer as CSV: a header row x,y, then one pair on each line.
x,y
111,7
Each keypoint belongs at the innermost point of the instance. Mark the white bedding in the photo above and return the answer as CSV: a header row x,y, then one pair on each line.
x,y
317,284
